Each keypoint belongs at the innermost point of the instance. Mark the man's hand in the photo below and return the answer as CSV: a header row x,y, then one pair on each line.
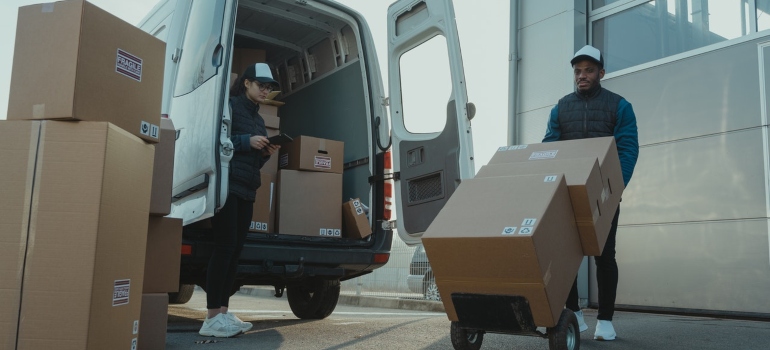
x,y
270,149
258,142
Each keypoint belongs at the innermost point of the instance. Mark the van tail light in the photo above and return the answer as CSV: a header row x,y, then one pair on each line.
x,y
186,249
388,188
164,116
381,258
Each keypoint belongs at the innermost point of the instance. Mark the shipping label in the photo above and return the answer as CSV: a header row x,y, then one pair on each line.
x,y
526,230
359,211
509,231
258,226
330,232
543,154
128,65
136,327
529,222
284,161
120,292
322,162
550,178
148,129
134,343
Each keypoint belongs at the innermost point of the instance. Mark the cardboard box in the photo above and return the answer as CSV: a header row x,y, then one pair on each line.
x,y
242,58
75,61
272,124
270,114
263,217
18,146
163,170
312,154
154,321
83,275
163,257
511,235
355,224
584,181
309,204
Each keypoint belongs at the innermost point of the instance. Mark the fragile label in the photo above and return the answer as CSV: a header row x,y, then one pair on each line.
x,y
128,65
120,292
509,231
284,161
513,148
543,155
550,178
149,129
322,162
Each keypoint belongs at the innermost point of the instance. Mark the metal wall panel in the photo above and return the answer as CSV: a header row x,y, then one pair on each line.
x,y
709,93
722,266
533,11
719,177
533,124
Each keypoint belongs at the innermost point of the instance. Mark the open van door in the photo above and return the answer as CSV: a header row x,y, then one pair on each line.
x,y
198,107
430,114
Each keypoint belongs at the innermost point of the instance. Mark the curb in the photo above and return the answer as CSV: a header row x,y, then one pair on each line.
x,y
363,300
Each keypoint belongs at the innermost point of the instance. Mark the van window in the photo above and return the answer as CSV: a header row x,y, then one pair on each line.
x,y
204,30
426,86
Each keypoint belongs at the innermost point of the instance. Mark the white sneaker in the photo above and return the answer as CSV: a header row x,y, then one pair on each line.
x,y
581,321
244,326
219,326
604,330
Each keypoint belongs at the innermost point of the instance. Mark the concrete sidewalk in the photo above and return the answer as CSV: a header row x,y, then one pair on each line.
x,y
361,300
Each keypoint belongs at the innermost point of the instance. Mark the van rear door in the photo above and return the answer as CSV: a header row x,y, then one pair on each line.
x,y
431,129
199,110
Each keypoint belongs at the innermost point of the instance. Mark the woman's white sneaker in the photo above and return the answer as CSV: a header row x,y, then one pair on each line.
x,y
219,326
581,321
244,326
604,330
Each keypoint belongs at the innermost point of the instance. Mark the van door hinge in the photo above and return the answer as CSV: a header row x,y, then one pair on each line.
x,y
386,101
387,176
389,225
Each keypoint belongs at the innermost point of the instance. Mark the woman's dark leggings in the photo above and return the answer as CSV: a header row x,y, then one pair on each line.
x,y
230,226
606,277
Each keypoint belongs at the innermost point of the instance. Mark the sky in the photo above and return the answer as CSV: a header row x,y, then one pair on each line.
x,y
483,34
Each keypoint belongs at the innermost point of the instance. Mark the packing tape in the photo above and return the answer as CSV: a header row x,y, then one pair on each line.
x,y
321,144
38,111
47,7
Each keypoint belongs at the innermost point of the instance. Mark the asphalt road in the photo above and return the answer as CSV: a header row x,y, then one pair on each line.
x,y
350,327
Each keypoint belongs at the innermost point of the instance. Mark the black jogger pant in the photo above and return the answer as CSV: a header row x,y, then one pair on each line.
x,y
230,226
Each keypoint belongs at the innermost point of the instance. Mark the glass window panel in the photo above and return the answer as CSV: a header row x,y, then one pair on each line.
x,y
426,86
204,31
763,14
663,28
595,4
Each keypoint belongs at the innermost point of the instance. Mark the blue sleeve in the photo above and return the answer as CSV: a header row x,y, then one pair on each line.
x,y
627,139
553,132
241,143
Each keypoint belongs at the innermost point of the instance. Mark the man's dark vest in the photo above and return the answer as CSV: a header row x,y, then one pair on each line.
x,y
244,167
587,117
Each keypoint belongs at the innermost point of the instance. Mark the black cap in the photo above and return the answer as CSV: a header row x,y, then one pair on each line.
x,y
261,73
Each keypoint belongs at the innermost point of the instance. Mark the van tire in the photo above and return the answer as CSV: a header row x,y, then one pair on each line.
x,y
315,300
463,339
183,295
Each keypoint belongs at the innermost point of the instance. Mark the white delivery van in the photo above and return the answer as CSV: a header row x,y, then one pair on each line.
x,y
323,55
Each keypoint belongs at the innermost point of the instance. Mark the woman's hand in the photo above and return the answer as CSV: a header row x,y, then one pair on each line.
x,y
258,142
270,149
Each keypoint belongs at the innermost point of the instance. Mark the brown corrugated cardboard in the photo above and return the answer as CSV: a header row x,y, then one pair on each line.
x,y
272,123
516,231
309,204
18,146
242,58
584,181
263,217
312,154
163,257
88,233
355,224
163,170
154,320
269,112
73,60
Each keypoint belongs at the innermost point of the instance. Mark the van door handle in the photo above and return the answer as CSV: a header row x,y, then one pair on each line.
x,y
216,59
176,55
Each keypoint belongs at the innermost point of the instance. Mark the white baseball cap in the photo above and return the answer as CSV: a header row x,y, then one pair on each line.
x,y
261,73
588,52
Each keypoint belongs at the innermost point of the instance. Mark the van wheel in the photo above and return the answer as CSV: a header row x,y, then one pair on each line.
x,y
463,339
183,295
315,300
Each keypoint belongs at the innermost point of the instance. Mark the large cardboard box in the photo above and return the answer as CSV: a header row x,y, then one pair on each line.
x,y
312,154
163,170
163,257
242,58
18,146
272,123
75,61
154,321
309,204
84,263
586,192
263,216
511,235
355,224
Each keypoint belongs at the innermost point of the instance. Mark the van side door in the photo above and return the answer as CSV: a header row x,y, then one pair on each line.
x,y
431,129
199,109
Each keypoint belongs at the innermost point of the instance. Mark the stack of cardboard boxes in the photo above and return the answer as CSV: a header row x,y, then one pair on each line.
x,y
77,180
523,224
263,217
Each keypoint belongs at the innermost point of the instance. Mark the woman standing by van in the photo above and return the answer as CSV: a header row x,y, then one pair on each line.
x,y
231,223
